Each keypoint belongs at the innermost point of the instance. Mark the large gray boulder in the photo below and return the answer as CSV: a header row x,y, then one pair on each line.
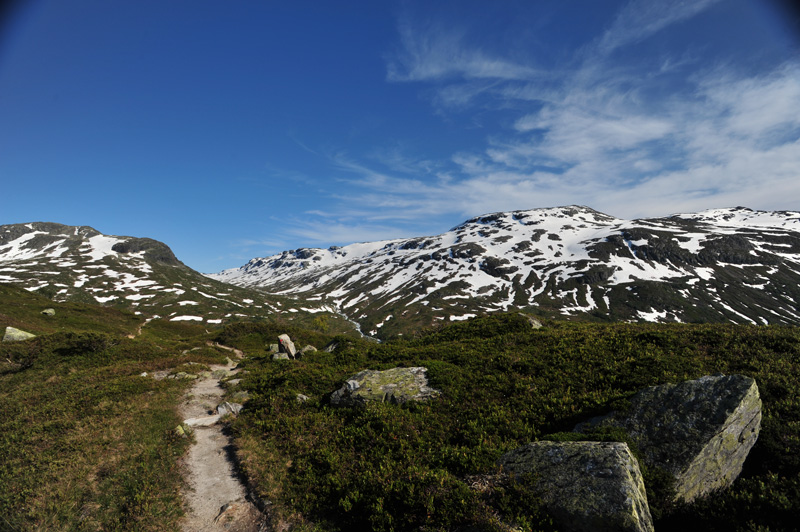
x,y
16,335
586,486
700,431
285,345
396,385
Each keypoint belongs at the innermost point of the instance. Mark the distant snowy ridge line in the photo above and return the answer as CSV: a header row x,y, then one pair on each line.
x,y
573,258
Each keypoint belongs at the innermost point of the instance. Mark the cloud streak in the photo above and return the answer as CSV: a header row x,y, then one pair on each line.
x,y
598,133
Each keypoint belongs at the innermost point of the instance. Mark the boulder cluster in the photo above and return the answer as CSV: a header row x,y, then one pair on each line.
x,y
286,350
699,431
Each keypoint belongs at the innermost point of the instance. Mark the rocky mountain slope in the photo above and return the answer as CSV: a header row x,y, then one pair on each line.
x,y
720,265
68,263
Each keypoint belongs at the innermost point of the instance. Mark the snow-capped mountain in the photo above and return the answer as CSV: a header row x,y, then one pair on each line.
x,y
734,264
81,264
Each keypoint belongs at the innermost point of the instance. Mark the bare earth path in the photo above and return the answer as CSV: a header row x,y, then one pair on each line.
x,y
216,497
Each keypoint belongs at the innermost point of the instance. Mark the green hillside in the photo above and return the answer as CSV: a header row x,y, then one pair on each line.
x,y
88,443
429,466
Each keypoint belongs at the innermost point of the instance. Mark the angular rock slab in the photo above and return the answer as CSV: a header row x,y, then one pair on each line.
x,y
16,335
586,486
285,345
700,431
396,385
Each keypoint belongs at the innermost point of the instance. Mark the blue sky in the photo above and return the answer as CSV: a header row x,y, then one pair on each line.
x,y
231,130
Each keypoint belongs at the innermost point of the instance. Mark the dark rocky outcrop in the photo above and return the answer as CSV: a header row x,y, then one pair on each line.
x,y
153,250
396,385
586,486
700,431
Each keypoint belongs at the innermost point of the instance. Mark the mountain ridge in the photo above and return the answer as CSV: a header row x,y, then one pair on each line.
x,y
81,264
569,261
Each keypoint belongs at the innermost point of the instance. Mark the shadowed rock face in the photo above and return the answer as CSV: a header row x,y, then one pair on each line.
x,y
700,431
586,486
396,385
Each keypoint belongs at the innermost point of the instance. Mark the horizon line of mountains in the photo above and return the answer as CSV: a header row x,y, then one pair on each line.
x,y
721,265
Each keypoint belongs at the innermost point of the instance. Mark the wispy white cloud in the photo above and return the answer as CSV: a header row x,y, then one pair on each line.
x,y
598,133
437,53
643,18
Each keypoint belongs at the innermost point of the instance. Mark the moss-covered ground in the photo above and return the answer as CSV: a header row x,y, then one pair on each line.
x,y
87,443
428,465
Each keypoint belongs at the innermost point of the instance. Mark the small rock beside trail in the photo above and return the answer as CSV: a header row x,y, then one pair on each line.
x,y
202,421
285,345
396,385
586,486
229,408
16,335
49,312
700,430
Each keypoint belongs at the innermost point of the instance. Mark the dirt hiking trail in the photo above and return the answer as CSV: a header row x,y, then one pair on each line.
x,y
216,497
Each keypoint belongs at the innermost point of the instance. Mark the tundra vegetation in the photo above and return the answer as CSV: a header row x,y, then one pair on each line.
x,y
88,443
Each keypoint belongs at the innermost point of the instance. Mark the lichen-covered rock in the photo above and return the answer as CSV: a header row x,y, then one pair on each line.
x,y
700,431
49,312
586,486
281,356
16,335
308,349
396,385
285,345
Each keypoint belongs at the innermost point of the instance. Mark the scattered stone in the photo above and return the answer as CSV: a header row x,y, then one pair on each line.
x,y
285,345
301,398
239,516
16,335
535,324
280,356
331,347
229,408
143,374
183,430
232,382
219,373
183,375
586,486
396,385
700,431
241,396
273,348
49,312
308,349
202,421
